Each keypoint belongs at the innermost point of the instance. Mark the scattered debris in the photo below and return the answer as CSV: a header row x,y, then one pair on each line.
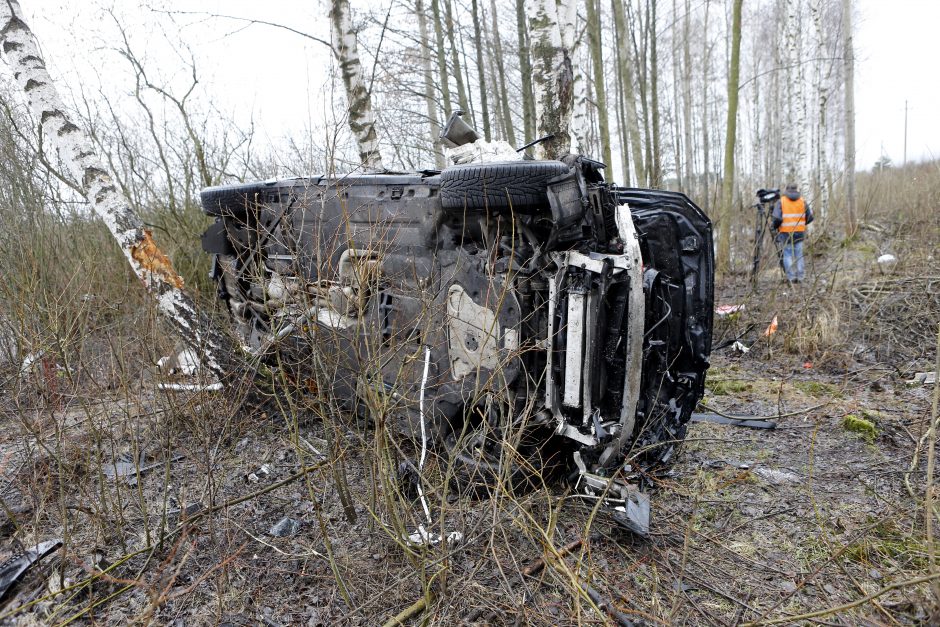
x,y
738,347
185,363
718,463
423,537
12,569
751,423
887,263
923,378
771,328
124,467
807,365
261,473
285,527
777,476
190,387
723,311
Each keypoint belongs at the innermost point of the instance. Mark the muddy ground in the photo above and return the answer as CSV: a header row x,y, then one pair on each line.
x,y
749,525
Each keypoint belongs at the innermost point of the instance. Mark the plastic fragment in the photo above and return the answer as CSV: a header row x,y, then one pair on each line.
x,y
12,569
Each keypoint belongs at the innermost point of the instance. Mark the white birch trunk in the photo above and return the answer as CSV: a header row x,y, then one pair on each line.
x,y
848,60
358,99
551,79
821,82
580,123
150,264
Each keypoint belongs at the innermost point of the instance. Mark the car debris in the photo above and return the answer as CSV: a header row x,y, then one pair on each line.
x,y
124,467
923,378
12,569
262,472
285,527
519,303
771,328
723,311
750,423
887,263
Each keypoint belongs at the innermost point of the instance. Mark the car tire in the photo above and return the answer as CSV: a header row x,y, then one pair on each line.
x,y
230,200
517,185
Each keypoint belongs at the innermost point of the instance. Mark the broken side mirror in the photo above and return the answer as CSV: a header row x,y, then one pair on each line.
x,y
457,132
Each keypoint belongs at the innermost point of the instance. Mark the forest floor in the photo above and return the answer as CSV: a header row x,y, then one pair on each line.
x,y
748,525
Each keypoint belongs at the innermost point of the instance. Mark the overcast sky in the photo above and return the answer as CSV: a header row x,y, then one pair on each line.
x,y
895,45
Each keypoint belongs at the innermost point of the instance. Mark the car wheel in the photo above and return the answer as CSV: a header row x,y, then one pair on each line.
x,y
517,185
230,200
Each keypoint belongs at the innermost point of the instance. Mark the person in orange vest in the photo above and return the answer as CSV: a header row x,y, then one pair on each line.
x,y
790,216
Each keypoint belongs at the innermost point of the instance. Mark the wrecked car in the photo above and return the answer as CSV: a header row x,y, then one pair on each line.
x,y
516,315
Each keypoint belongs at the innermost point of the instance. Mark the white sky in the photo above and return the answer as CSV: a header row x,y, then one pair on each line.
x,y
264,73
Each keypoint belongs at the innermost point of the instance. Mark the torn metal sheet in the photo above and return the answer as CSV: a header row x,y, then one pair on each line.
x,y
750,423
12,569
125,468
923,378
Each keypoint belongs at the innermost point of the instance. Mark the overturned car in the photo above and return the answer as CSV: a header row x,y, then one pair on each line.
x,y
517,316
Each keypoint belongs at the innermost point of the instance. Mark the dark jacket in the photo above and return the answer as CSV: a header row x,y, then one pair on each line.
x,y
777,216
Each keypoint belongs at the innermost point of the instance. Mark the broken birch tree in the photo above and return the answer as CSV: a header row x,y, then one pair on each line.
x,y
552,78
150,264
358,97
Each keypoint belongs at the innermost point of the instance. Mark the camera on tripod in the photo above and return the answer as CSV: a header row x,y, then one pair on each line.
x,y
763,229
768,195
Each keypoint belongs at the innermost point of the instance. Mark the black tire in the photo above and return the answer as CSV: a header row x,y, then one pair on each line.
x,y
519,185
230,200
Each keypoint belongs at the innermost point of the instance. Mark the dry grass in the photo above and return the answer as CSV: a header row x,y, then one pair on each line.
x,y
748,527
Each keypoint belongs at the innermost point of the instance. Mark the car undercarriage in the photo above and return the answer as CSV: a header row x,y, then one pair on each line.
x,y
518,316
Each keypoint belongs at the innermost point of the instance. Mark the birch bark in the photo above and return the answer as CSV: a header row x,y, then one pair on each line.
x,y
551,79
848,61
358,98
727,184
150,264
568,19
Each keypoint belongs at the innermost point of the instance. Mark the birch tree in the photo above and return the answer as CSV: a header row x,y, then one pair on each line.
x,y
481,74
625,63
501,76
568,22
848,61
727,183
153,268
551,79
441,58
596,44
525,72
433,119
358,98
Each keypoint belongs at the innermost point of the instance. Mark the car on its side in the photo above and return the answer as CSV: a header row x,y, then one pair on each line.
x,y
516,315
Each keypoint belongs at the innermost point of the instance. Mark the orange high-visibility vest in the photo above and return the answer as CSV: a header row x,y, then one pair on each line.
x,y
793,213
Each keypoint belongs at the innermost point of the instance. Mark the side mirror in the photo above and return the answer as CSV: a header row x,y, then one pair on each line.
x,y
457,132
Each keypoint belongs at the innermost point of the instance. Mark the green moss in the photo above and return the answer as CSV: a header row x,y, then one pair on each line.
x,y
817,389
721,387
864,428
